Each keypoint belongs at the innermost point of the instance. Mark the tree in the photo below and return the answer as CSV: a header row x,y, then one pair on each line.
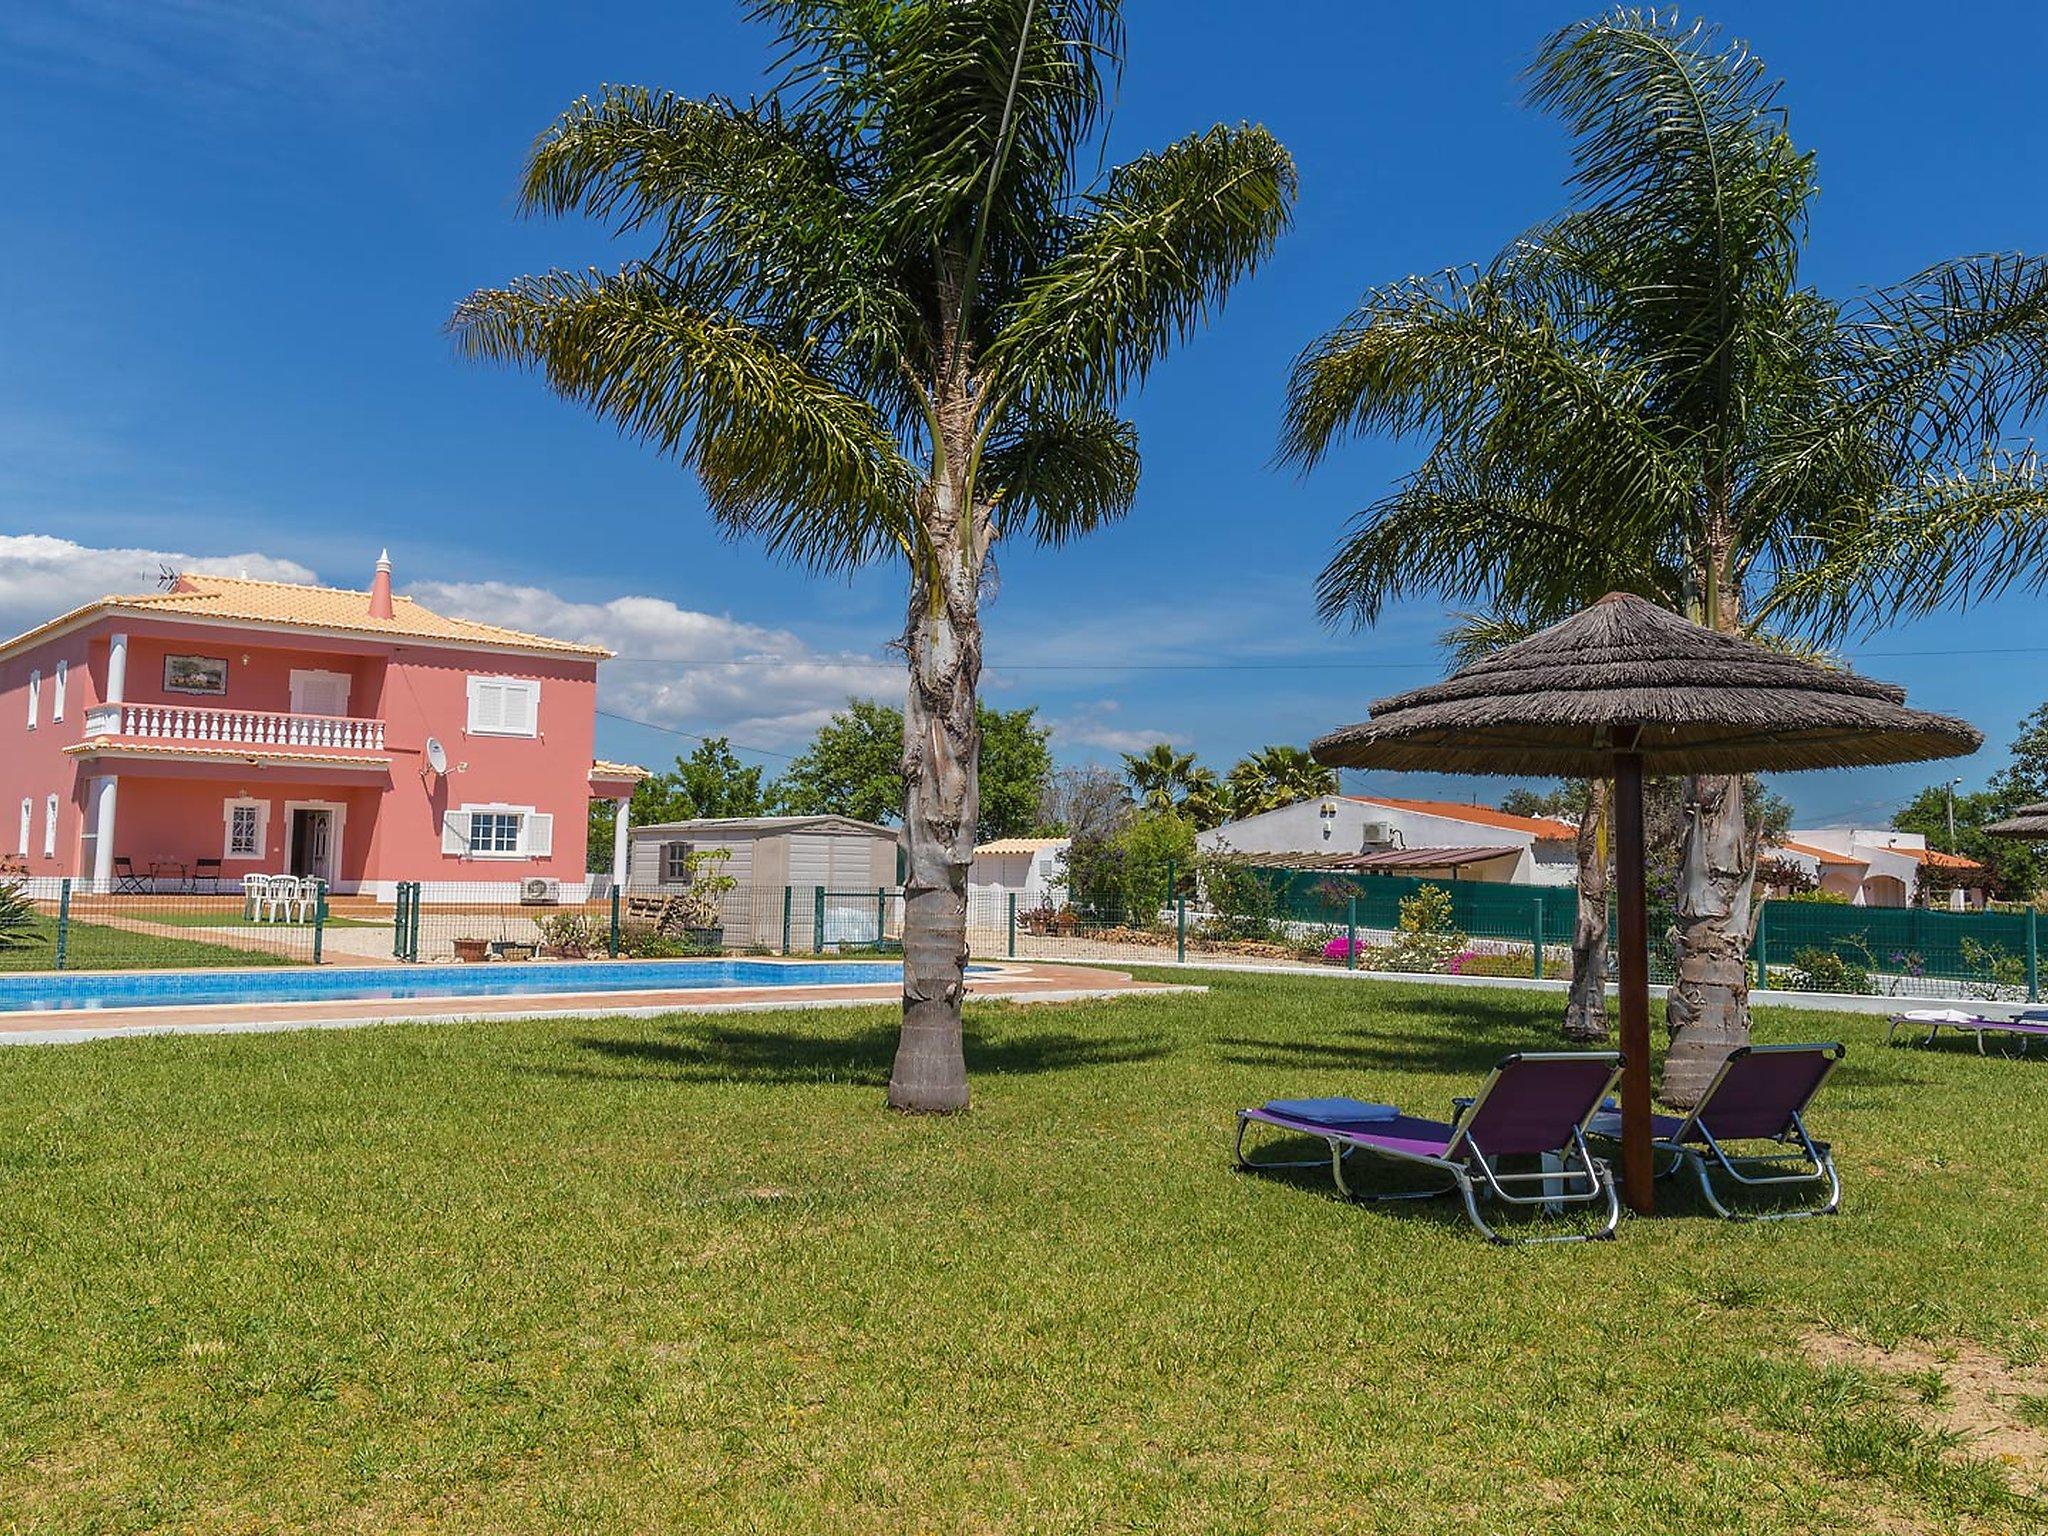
x,y
2024,780
1016,768
1641,396
883,316
1084,803
853,767
1275,776
1160,775
711,781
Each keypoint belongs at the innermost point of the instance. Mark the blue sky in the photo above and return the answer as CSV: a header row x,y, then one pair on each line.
x,y
234,229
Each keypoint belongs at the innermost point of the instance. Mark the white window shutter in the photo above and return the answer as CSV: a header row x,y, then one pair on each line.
x,y
57,699
50,828
455,832
28,817
522,708
538,833
35,694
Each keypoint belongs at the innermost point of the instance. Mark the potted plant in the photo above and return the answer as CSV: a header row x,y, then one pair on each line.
x,y
470,951
697,916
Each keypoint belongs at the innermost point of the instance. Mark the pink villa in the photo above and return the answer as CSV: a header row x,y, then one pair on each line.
x,y
225,727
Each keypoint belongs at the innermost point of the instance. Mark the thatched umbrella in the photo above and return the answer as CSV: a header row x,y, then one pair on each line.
x,y
1626,689
2029,824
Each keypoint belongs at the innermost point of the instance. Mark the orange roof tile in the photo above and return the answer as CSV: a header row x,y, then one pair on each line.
x,y
238,599
1823,855
1937,859
1475,815
604,770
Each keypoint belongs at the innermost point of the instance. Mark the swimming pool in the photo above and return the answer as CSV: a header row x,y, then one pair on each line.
x,y
67,991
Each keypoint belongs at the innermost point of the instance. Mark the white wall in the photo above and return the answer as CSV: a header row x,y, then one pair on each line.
x,y
1301,829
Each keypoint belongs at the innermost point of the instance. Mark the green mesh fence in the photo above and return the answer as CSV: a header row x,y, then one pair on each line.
x,y
1899,950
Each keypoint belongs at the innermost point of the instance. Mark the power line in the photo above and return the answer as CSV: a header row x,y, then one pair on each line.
x,y
670,730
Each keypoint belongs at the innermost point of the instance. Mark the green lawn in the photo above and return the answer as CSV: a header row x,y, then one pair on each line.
x,y
685,1274
100,947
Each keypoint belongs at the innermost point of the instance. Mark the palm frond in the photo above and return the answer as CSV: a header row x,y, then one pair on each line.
x,y
1145,263
781,453
1964,537
1059,476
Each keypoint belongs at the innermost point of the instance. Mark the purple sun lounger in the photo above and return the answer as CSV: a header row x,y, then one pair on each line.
x,y
1532,1105
1759,1094
2016,1035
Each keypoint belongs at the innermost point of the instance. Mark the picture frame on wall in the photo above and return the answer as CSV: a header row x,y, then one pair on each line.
x,y
196,674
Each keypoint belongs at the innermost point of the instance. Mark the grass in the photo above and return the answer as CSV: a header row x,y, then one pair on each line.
x,y
684,1273
101,947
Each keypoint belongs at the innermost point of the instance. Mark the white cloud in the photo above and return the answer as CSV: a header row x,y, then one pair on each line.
x,y
41,576
1093,725
703,672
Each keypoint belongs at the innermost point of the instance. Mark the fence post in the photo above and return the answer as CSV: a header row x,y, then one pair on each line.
x,y
412,922
881,917
817,920
1351,935
63,922
1536,967
2033,954
319,917
1013,925
1760,945
398,919
788,892
615,923
1180,929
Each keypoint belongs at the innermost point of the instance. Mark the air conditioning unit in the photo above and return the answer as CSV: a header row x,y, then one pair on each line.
x,y
1377,833
539,892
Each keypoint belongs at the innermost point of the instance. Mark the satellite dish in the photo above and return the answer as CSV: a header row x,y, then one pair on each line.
x,y
437,755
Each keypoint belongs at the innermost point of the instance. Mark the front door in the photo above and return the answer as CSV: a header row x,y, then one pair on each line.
x,y
312,843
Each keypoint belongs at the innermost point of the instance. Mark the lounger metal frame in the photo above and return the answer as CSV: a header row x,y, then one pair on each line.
x,y
1814,1159
2024,1038
1588,1181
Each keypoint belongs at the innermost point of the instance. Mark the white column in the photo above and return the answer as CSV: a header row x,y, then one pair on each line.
x,y
103,835
622,823
117,670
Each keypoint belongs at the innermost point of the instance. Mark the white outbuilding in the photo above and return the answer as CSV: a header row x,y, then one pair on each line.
x,y
1033,869
1438,839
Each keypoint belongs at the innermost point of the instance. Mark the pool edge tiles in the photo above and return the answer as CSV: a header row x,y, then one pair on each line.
x,y
43,993
1014,982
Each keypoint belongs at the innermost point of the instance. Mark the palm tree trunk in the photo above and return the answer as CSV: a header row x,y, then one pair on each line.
x,y
1708,1011
942,802
1585,1013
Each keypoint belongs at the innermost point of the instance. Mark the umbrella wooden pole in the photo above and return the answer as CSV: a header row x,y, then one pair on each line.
x,y
1637,1168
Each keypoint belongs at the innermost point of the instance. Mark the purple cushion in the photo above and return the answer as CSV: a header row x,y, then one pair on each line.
x,y
1334,1111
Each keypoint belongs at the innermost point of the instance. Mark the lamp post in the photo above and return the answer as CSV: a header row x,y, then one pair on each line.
x,y
1950,789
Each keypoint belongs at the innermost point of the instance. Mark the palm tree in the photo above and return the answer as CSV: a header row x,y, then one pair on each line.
x,y
1205,802
1160,775
1276,776
1641,396
883,315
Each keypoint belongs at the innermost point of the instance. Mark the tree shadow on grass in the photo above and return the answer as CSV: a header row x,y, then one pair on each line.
x,y
724,1053
1450,1034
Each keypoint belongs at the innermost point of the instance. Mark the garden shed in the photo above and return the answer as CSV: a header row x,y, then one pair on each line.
x,y
790,867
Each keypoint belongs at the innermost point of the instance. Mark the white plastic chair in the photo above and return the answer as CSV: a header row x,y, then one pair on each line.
x,y
255,888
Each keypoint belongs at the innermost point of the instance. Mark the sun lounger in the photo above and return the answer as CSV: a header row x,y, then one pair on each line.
x,y
2015,1035
1759,1094
1531,1105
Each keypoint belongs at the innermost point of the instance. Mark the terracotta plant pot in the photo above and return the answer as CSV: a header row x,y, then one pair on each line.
x,y
472,950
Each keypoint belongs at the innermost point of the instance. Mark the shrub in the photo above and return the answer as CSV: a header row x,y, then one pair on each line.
x,y
19,928
1341,949
574,933
1473,963
1824,970
1426,938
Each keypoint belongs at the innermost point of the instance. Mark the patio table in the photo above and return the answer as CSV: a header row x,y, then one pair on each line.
x,y
180,872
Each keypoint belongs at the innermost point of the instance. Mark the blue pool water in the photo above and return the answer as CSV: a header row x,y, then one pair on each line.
x,y
176,989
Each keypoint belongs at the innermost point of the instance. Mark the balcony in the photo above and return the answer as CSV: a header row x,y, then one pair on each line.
x,y
198,726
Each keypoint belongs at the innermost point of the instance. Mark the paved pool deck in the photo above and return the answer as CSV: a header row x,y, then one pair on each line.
x,y
1005,982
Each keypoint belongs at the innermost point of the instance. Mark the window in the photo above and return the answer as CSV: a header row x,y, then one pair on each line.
x,y
504,706
50,827
494,832
35,699
28,820
57,692
675,863
248,827
498,832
